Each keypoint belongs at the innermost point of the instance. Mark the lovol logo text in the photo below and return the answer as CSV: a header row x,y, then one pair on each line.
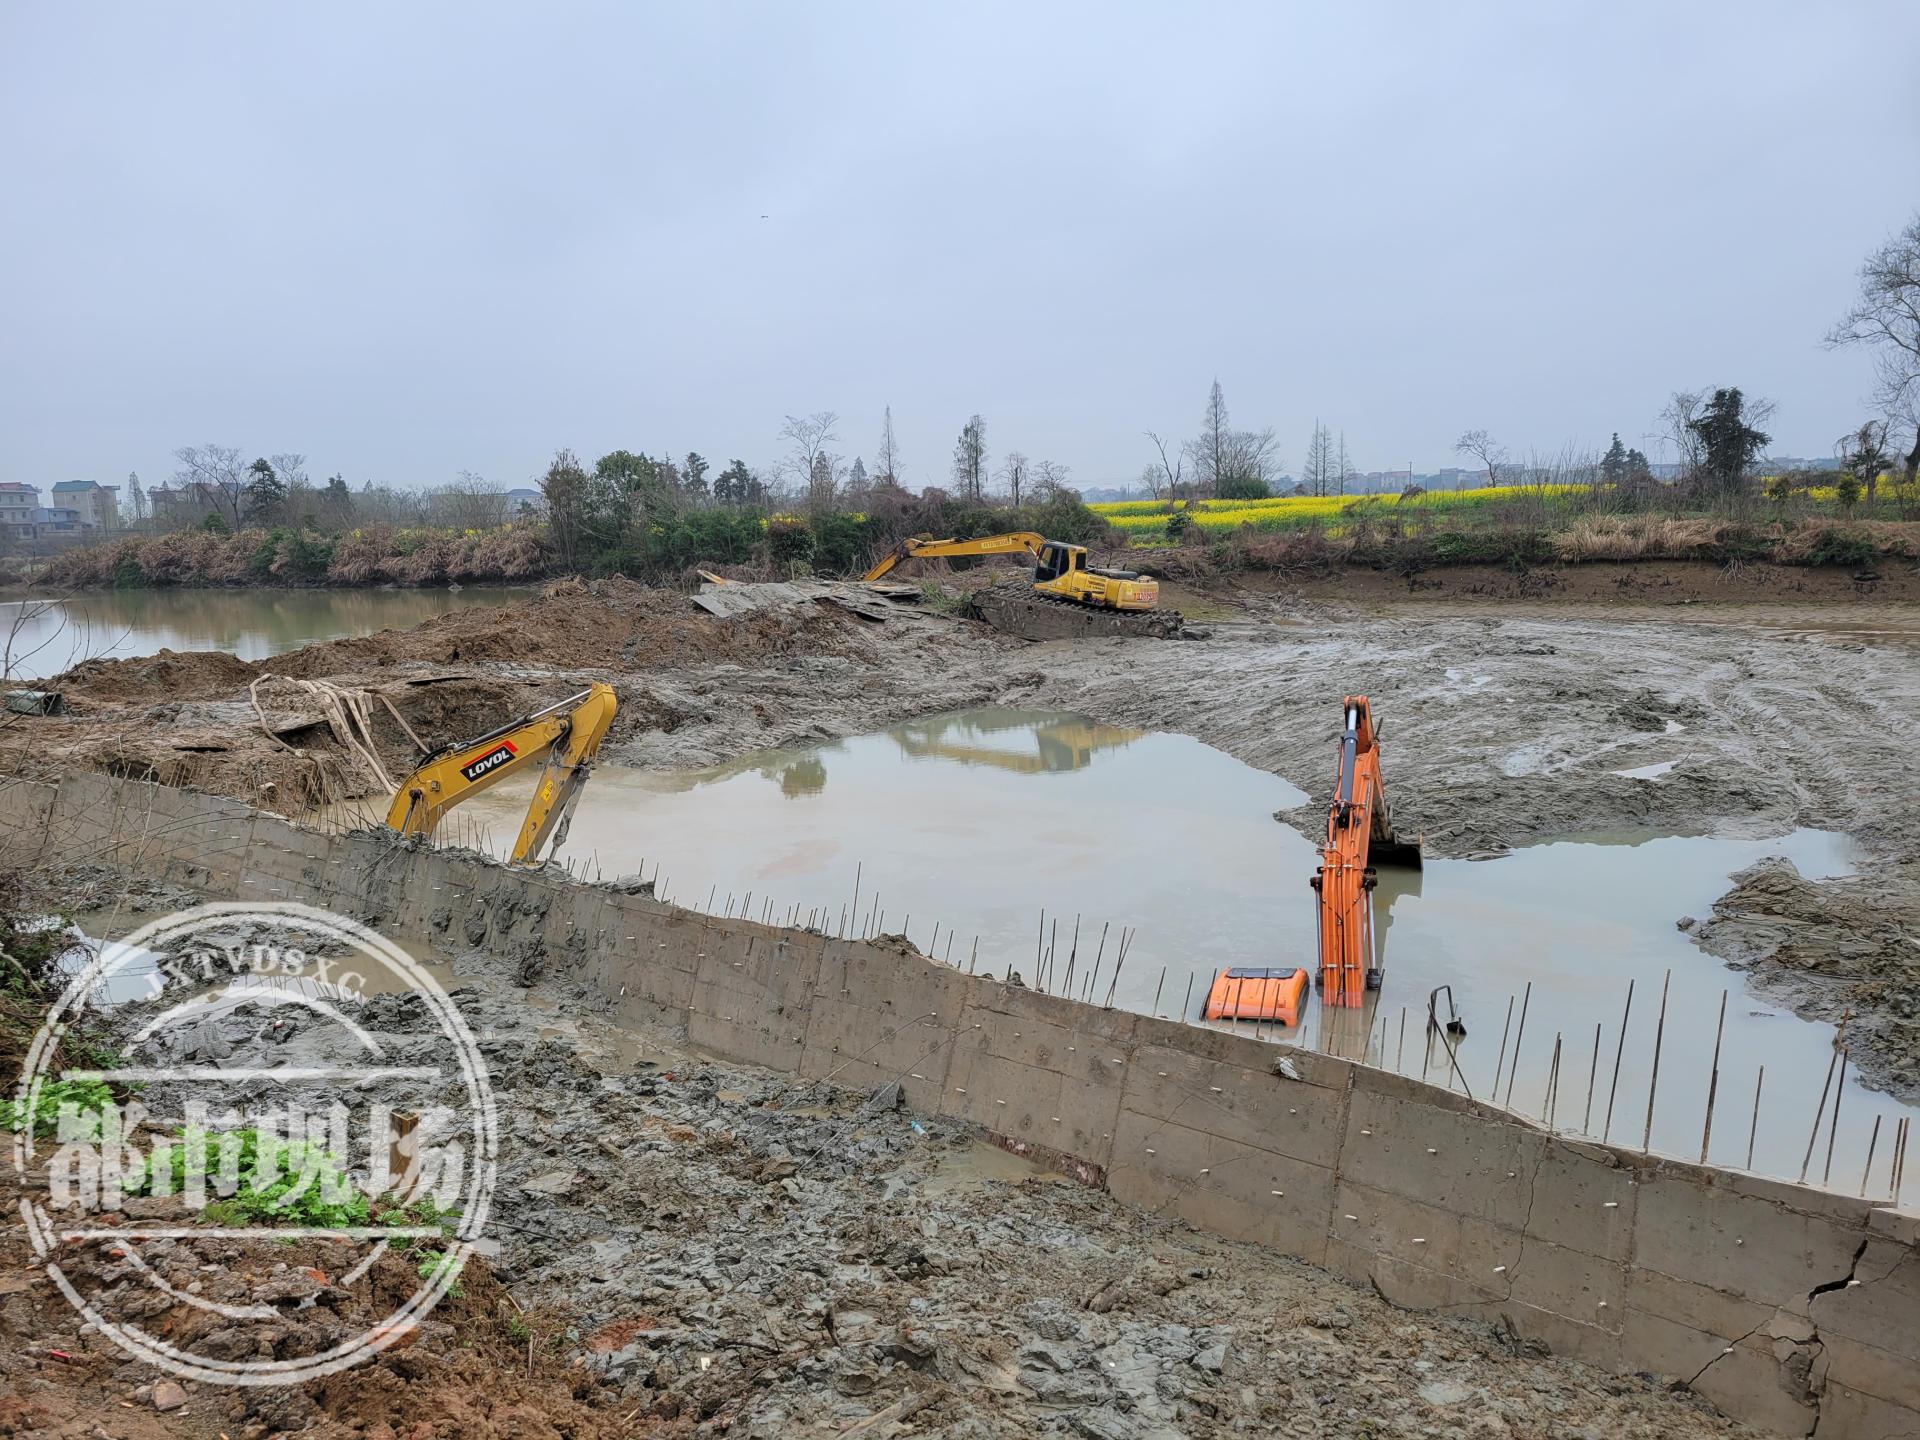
x,y
492,760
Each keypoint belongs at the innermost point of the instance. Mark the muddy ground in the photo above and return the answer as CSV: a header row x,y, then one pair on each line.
x,y
687,1248
699,1249
1510,702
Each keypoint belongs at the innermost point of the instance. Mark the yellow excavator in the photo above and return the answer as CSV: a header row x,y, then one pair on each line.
x,y
1060,570
565,735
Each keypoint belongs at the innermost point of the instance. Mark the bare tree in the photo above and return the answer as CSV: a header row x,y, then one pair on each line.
x,y
1317,473
1863,454
1013,475
1341,467
1049,481
1676,425
1211,451
1886,319
807,437
471,503
970,459
216,476
1484,448
886,465
1163,480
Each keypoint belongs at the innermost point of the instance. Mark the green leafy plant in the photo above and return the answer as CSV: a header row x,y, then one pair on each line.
x,y
277,1180
86,1096
435,1263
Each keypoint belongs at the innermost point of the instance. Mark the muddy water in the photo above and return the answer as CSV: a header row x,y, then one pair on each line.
x,y
45,637
978,822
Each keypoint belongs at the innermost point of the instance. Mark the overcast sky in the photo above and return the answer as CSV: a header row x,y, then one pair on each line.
x,y
411,239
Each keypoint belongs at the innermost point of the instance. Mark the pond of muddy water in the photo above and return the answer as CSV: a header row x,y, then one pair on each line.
x,y
979,821
43,637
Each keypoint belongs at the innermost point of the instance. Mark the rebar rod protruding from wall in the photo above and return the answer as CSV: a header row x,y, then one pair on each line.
x,y
1659,1042
1713,1078
1500,1061
1753,1126
1872,1140
1593,1074
1613,1085
1833,1129
1526,999
1819,1114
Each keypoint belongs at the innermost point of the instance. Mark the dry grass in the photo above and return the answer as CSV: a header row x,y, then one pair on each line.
x,y
1642,537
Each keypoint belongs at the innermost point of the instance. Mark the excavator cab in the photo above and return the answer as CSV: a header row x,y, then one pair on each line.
x,y
1056,559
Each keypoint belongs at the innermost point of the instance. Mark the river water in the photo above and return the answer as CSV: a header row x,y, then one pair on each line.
x,y
983,822
40,638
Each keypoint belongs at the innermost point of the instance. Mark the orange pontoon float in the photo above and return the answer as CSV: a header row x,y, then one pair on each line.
x,y
1256,994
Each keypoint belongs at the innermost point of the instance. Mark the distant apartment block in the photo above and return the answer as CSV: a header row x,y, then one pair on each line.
x,y
98,505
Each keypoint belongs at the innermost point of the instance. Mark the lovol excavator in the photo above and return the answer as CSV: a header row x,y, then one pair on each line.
x,y
1060,570
1360,836
565,735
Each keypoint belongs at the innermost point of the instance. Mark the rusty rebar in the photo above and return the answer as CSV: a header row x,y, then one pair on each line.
x,y
1753,1126
1818,1115
1872,1140
1526,999
1593,1074
1713,1078
1833,1129
1659,1043
1619,1050
1500,1063
1547,1110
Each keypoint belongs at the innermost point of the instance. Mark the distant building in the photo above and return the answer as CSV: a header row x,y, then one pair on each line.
x,y
19,510
189,503
525,500
99,505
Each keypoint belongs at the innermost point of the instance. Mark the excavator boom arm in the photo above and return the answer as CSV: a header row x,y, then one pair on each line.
x,y
1359,834
565,736
1017,542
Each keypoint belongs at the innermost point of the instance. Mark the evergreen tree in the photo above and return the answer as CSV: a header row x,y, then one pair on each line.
x,y
693,474
1613,465
857,476
266,493
1731,445
136,497
736,485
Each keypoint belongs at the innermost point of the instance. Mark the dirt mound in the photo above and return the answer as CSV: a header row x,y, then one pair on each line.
x,y
478,1366
166,675
1835,950
611,624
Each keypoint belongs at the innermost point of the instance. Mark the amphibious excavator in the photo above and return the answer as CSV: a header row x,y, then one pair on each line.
x,y
1060,570
565,735
1360,836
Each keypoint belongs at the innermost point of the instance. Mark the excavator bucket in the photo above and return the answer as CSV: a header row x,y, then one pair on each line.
x,y
1258,994
1404,853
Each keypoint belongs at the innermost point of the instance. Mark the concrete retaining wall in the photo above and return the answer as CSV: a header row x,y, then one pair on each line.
x,y
1789,1307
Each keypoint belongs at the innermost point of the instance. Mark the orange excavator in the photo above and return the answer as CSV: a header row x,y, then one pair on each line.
x,y
1360,836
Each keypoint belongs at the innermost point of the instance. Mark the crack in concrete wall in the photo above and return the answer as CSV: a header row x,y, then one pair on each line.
x,y
1633,1262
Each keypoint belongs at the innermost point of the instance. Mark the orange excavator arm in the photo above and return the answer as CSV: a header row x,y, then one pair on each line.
x,y
1017,542
1359,836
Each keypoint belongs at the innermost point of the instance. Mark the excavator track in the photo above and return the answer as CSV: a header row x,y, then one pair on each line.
x,y
1021,610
